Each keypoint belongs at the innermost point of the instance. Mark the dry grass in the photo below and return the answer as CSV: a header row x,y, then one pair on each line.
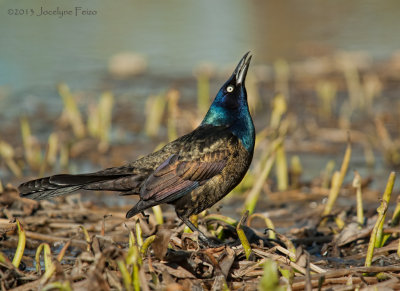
x,y
324,233
86,247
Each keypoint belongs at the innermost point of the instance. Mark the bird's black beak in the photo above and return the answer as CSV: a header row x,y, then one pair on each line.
x,y
241,69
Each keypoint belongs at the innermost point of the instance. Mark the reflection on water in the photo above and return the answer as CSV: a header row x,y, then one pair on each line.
x,y
37,52
176,35
291,29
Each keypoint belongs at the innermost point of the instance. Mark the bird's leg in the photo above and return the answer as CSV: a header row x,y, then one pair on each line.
x,y
146,217
202,236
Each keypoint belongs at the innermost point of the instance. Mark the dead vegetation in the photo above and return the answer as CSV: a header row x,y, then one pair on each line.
x,y
80,246
337,230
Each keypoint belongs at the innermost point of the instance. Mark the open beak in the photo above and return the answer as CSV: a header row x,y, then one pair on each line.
x,y
241,69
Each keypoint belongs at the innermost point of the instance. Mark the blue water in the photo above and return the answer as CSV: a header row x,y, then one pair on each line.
x,y
176,35
37,52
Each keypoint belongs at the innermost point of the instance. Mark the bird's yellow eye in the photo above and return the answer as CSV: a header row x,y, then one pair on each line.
x,y
230,88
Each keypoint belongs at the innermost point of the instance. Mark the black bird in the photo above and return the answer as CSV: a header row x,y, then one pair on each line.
x,y
192,172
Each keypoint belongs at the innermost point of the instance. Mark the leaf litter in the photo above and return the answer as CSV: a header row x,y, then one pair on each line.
x,y
288,241
174,260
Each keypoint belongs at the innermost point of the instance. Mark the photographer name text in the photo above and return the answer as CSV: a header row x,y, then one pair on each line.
x,y
55,12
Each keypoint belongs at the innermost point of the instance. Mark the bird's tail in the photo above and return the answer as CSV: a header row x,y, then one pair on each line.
x,y
57,185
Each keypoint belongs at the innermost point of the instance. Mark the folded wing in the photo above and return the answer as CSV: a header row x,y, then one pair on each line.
x,y
177,176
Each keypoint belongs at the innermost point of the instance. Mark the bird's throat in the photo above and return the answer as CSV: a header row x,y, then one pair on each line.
x,y
240,124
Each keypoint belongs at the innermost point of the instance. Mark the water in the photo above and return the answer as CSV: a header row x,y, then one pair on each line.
x,y
39,51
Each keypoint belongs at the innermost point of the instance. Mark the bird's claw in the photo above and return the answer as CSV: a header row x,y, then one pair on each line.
x,y
208,243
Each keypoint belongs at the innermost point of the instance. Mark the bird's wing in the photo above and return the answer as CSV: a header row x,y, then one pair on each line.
x,y
185,171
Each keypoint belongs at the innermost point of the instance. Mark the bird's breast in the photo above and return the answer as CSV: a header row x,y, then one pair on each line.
x,y
219,186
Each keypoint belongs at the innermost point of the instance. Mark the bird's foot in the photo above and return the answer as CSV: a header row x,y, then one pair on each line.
x,y
212,244
208,243
234,243
205,241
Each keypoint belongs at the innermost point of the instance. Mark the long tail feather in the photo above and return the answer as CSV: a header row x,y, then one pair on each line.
x,y
63,184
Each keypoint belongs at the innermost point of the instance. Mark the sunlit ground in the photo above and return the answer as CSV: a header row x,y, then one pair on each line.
x,y
320,181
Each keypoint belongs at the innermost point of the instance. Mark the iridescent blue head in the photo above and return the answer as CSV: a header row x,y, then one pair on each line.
x,y
230,106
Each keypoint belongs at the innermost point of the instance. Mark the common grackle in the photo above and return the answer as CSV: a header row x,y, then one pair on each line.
x,y
192,172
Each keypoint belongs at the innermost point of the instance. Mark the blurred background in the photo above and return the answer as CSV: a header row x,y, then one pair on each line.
x,y
176,36
78,93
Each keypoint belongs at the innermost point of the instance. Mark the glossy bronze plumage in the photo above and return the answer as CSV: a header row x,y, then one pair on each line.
x,y
192,173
